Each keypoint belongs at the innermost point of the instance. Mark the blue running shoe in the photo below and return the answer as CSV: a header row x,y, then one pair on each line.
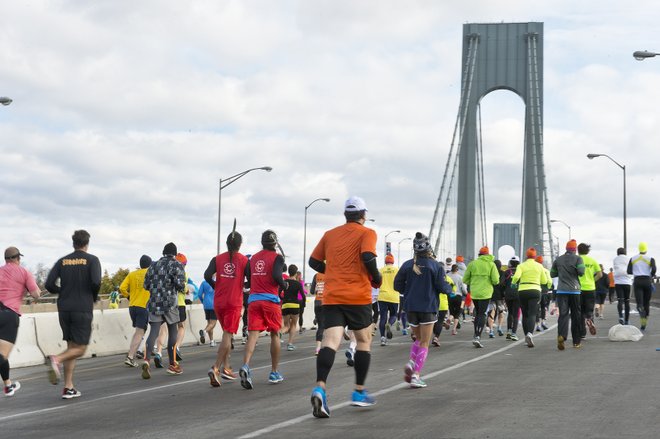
x,y
350,358
275,377
320,403
362,399
246,377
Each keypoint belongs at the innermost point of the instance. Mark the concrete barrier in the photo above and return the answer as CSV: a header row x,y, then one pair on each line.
x,y
112,331
26,352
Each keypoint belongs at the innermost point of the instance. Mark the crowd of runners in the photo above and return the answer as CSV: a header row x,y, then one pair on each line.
x,y
353,300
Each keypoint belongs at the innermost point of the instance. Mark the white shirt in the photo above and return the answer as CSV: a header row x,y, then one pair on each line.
x,y
620,265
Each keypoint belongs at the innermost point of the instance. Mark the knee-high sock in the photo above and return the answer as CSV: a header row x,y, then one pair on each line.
x,y
4,368
362,361
414,350
421,359
324,362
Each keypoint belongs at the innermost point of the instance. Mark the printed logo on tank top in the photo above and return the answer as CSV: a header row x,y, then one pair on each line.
x,y
228,270
260,266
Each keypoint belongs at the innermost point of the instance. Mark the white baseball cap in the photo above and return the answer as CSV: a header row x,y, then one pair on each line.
x,y
355,204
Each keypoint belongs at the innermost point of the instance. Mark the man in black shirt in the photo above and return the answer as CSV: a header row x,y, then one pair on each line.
x,y
79,274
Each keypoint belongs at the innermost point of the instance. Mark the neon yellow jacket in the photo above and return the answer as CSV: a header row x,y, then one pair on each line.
x,y
530,275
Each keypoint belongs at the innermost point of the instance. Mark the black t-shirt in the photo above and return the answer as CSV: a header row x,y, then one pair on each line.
x,y
293,288
80,280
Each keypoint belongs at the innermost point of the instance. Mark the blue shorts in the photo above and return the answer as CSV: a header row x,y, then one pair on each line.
x,y
139,316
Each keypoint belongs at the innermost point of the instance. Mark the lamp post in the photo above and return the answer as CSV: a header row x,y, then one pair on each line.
x,y
569,227
623,168
398,253
226,182
386,235
641,55
5,100
304,263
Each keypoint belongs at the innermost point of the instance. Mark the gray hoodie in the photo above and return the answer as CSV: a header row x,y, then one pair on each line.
x,y
568,268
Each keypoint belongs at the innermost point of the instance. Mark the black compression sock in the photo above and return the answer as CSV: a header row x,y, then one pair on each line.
x,y
324,362
4,368
362,361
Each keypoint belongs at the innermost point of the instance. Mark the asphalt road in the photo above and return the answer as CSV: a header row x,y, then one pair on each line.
x,y
603,390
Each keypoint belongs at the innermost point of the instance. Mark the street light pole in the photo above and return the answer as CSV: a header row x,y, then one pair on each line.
x,y
304,262
569,227
623,168
398,254
388,234
226,182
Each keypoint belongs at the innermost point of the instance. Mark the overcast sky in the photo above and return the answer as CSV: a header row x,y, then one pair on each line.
x,y
126,114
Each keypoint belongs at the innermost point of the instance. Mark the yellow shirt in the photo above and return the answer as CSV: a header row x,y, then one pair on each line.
x,y
530,275
133,288
444,299
387,292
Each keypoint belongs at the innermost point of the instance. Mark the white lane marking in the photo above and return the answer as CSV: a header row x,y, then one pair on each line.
x,y
399,386
134,392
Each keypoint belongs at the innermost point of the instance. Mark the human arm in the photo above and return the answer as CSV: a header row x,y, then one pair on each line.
x,y
209,272
369,260
95,277
51,280
123,287
517,275
580,266
653,269
278,265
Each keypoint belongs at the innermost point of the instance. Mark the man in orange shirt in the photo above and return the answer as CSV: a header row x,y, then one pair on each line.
x,y
350,269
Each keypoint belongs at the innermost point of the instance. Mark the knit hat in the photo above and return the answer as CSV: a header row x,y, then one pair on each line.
x,y
459,258
181,258
643,247
421,243
531,253
389,259
145,261
571,245
484,250
539,259
169,249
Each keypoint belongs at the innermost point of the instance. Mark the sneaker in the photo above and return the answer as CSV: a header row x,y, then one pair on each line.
x,y
508,335
453,331
404,332
491,334
70,393
346,336
528,340
275,378
620,320
202,337
228,374
476,342
212,344
408,371
349,358
388,332
178,355
130,362
383,341
591,326
174,369
416,382
320,403
146,372
243,340
642,323
560,343
139,355
500,332
362,399
290,347
246,377
158,361
514,337
577,345
544,326
436,342
12,388
54,374
213,376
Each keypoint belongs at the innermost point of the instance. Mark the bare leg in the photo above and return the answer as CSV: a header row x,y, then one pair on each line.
x,y
275,350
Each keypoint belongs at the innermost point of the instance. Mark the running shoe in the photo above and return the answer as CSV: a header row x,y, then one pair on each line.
x,y
290,347
70,393
408,371
528,340
383,341
275,378
139,355
212,344
388,331
436,342
174,369
577,345
130,362
592,327
213,376
243,340
499,331
362,399
246,377
476,342
514,337
12,388
642,323
491,334
453,331
508,335
416,382
350,361
544,326
404,332
320,403
202,337
228,374
346,336
560,342
158,361
146,372
54,374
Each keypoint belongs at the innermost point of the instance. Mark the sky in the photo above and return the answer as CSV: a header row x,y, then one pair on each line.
x,y
126,115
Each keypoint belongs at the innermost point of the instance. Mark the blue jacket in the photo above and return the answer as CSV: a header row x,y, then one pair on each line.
x,y
206,294
420,291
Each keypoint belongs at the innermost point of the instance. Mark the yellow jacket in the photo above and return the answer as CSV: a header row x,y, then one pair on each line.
x,y
530,275
133,288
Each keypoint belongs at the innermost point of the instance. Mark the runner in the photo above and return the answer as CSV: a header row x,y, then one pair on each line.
x,y
602,288
15,282
181,305
480,276
611,285
456,298
79,275
529,277
318,285
592,273
497,306
164,279
546,290
291,306
568,268
388,300
350,268
643,269
133,287
264,313
511,299
230,269
622,284
207,296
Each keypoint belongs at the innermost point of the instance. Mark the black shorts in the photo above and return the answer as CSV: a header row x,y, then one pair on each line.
x,y
9,322
421,318
209,314
139,316
290,311
600,297
76,326
356,317
182,314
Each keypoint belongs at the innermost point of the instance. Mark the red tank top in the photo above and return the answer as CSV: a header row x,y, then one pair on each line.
x,y
229,280
261,273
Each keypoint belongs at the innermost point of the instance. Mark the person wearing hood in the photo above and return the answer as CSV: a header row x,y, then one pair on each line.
x,y
642,267
481,275
133,287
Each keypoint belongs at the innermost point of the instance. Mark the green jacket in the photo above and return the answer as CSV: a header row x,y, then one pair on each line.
x,y
481,275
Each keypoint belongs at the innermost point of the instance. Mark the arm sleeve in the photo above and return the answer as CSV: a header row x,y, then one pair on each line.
x,y
312,288
209,272
51,280
653,268
369,260
629,270
246,274
95,276
516,276
317,265
277,271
